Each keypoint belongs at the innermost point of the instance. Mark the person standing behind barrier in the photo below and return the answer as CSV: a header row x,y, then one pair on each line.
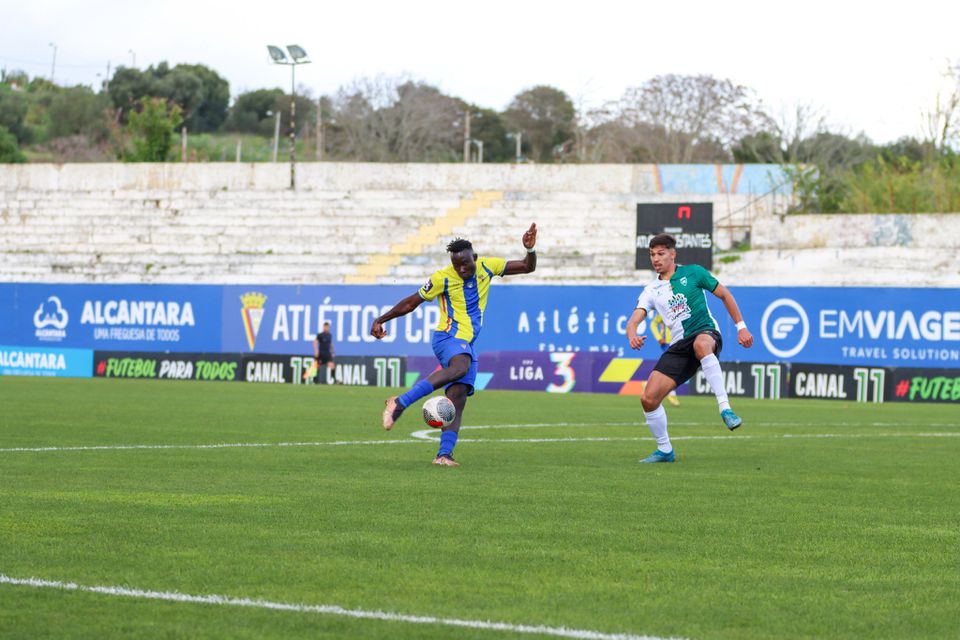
x,y
323,353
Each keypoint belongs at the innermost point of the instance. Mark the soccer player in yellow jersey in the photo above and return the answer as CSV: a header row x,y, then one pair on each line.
x,y
461,290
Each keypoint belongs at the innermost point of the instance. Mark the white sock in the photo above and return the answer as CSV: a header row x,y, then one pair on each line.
x,y
714,376
657,421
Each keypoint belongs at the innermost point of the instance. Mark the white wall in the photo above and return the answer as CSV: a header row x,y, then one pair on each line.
x,y
226,222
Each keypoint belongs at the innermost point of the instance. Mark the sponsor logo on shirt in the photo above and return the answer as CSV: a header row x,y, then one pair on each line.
x,y
679,309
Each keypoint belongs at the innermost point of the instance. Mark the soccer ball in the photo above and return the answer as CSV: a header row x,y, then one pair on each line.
x,y
439,412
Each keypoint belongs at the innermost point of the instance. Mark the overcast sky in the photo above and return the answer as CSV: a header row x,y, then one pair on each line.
x,y
873,68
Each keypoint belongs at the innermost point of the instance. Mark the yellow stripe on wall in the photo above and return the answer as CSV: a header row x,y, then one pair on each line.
x,y
426,235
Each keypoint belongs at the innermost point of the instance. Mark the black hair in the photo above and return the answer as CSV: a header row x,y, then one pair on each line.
x,y
459,244
663,240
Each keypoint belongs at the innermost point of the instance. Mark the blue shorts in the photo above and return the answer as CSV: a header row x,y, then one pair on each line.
x,y
445,347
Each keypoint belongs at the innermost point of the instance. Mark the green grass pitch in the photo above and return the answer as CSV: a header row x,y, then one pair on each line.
x,y
815,519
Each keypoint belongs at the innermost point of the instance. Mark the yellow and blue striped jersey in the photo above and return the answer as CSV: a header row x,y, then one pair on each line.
x,y
660,330
462,302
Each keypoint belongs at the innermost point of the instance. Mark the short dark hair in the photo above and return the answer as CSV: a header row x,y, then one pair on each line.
x,y
459,244
663,240
327,323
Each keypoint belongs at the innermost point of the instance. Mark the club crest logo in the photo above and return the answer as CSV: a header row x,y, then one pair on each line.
x,y
50,320
252,312
683,281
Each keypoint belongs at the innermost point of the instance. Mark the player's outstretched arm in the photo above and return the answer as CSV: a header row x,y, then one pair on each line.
x,y
400,309
744,337
529,263
636,341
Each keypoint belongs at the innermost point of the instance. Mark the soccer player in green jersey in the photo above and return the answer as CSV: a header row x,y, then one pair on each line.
x,y
678,294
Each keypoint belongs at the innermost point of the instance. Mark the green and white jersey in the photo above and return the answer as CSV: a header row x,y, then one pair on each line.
x,y
682,301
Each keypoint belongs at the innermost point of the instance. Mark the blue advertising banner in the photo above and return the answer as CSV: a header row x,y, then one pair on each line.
x,y
895,327
38,361
818,325
285,319
113,317
825,325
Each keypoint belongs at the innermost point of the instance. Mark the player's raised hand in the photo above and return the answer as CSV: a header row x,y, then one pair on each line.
x,y
377,330
745,338
530,236
637,341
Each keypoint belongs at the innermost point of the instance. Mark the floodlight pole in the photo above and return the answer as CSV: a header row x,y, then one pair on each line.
x,y
53,66
276,135
293,125
297,55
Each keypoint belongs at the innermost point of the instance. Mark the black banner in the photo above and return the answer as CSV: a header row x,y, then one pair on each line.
x,y
860,384
761,380
166,366
924,385
360,371
690,223
366,371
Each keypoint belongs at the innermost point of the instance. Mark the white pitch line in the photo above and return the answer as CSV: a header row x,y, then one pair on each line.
x,y
425,436
695,424
323,609
221,445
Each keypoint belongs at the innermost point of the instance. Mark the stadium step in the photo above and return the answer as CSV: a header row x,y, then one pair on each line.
x,y
427,235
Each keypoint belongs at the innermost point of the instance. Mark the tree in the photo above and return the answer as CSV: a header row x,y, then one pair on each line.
x,y
202,95
546,118
395,120
211,99
759,148
152,130
13,113
127,86
489,127
942,122
9,150
78,111
691,118
15,78
252,112
908,148
421,124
